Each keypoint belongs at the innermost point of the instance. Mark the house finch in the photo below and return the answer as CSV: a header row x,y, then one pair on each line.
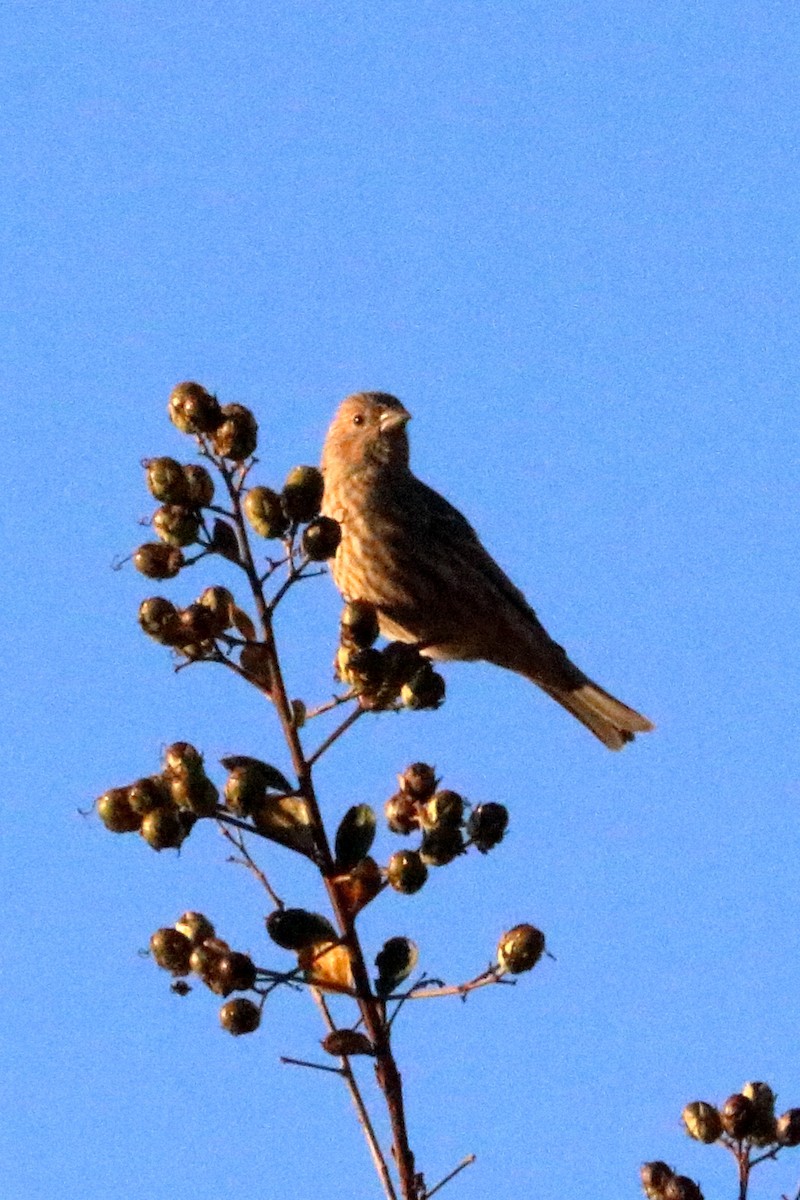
x,y
405,549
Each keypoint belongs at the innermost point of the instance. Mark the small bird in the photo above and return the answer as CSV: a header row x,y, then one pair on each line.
x,y
405,549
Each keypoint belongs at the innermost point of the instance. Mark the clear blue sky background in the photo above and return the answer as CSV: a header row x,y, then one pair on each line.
x,y
566,235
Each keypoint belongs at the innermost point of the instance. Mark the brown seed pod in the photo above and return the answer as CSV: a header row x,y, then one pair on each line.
x,y
236,437
738,1116
302,494
343,1043
520,949
425,691
402,813
240,1016
114,810
255,662
176,525
162,829
487,825
444,809
406,872
196,927
166,481
296,928
321,538
264,512
787,1128
358,625
199,485
157,560
171,950
418,781
192,409
681,1187
655,1176
149,793
441,845
220,602
702,1121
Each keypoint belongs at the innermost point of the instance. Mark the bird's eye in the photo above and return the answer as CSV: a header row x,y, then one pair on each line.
x,y
358,419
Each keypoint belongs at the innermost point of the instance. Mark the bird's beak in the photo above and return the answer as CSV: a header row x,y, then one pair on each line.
x,y
393,418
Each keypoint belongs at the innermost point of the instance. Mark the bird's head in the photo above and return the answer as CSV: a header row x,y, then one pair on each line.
x,y
369,429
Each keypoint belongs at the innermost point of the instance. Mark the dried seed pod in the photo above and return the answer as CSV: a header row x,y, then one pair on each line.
x,y
195,793
395,961
655,1176
343,1043
296,928
160,620
220,602
176,525
487,825
244,790
418,781
182,759
255,662
681,1187
157,560
114,810
171,950
321,538
406,872
166,481
232,972
197,624
441,845
763,1132
358,624
236,437
787,1128
401,662
264,512
192,409
199,485
444,809
520,949
425,691
702,1121
738,1116
359,886
402,813
196,927
240,1016
149,793
302,494
162,829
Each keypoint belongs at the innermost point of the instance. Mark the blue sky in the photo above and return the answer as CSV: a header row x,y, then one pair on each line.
x,y
566,236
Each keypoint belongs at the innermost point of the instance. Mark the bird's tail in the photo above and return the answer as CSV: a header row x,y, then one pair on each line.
x,y
608,718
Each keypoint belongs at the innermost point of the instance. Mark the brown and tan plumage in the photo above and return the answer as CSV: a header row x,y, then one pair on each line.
x,y
414,556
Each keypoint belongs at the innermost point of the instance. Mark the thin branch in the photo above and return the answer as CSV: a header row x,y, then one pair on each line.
x,y
302,1062
485,979
466,1162
378,1160
248,861
331,704
337,733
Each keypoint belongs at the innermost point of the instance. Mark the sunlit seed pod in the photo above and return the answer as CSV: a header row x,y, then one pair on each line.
x,y
171,950
197,623
234,972
441,845
787,1128
204,959
425,691
196,927
655,1176
160,620
401,663
365,668
264,512
418,781
149,793
299,713
220,602
302,494
738,1116
196,651
236,437
240,1016
487,825
358,624
182,759
344,1043
195,793
406,872
166,481
402,813
255,662
162,829
520,948
296,928
192,409
176,525
702,1121
444,808
244,791
114,810
763,1131
199,485
157,560
321,538
681,1187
